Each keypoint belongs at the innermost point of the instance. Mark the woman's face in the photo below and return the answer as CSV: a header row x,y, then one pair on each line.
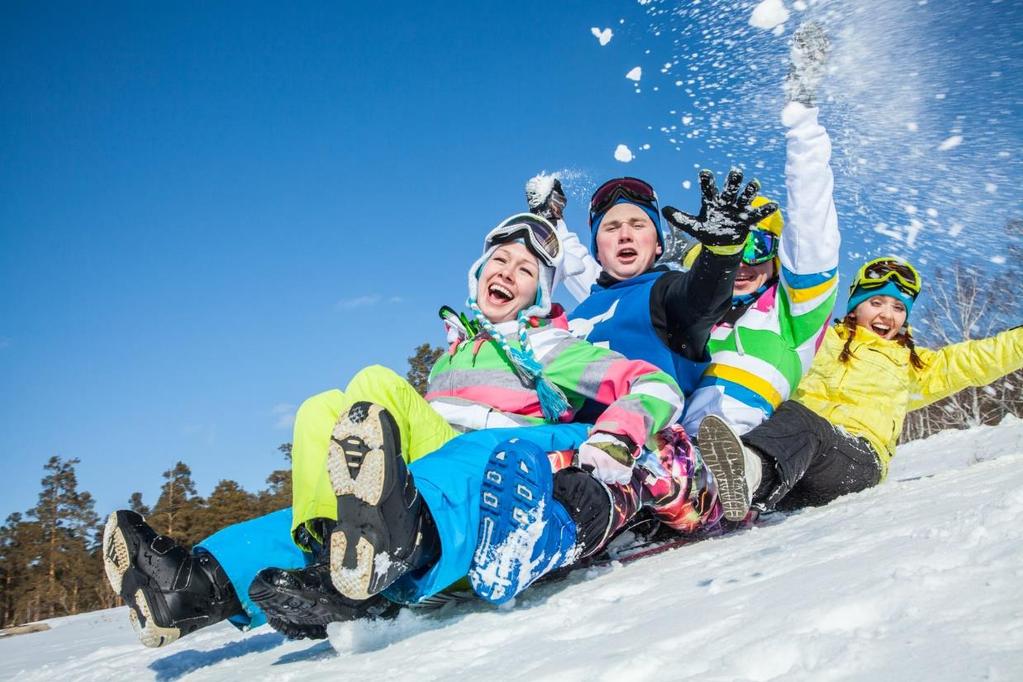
x,y
508,282
883,315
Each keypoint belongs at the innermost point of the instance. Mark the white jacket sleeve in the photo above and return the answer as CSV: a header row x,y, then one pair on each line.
x,y
581,269
810,240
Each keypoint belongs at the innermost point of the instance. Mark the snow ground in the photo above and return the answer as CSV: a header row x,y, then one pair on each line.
x,y
919,579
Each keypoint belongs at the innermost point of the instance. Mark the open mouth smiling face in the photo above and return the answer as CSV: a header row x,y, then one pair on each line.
x,y
883,315
749,278
508,282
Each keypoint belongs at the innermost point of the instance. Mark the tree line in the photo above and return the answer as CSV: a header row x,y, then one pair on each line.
x,y
50,555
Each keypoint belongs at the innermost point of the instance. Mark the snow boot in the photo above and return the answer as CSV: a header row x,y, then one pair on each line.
x,y
299,603
171,592
524,532
589,502
808,57
725,456
384,528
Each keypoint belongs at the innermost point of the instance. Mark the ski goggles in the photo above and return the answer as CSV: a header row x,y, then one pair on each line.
x,y
878,272
761,246
539,235
631,189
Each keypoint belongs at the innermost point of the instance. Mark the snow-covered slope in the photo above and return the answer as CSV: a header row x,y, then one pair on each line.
x,y
919,579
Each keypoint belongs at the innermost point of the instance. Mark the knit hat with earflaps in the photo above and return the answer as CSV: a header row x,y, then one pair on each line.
x,y
553,402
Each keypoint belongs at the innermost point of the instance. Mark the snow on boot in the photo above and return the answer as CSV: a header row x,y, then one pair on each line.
x,y
524,532
299,603
170,591
384,529
808,56
724,455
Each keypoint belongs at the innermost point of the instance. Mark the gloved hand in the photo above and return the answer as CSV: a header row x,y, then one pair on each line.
x,y
808,56
546,198
608,457
725,218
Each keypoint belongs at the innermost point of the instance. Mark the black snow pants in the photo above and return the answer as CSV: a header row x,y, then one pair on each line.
x,y
813,462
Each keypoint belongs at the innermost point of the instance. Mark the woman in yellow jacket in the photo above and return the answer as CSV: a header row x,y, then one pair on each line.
x,y
838,432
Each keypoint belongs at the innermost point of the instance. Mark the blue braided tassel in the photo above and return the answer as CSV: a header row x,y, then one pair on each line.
x,y
552,401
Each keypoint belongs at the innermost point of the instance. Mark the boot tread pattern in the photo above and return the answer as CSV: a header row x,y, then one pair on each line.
x,y
358,467
722,452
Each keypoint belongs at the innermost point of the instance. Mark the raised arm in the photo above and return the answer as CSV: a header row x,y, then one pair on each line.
x,y
970,363
810,241
581,268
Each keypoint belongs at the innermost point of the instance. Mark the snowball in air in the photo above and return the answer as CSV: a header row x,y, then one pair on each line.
x,y
950,143
635,74
769,14
623,154
603,36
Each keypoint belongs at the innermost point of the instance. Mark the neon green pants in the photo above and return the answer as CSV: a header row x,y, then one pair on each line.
x,y
422,432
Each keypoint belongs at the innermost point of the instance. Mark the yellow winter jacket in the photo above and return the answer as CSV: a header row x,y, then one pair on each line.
x,y
870,395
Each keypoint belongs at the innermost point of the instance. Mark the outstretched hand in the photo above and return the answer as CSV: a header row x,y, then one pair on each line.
x,y
725,218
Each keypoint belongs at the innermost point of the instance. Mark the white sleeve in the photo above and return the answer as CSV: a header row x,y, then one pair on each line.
x,y
581,269
810,240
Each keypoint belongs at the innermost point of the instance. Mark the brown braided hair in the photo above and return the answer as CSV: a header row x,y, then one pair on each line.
x,y
903,338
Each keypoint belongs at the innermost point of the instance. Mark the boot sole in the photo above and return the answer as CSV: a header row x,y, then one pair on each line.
x,y
722,453
116,554
515,488
359,561
121,574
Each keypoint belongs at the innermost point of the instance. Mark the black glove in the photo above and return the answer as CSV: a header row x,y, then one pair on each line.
x,y
550,205
725,218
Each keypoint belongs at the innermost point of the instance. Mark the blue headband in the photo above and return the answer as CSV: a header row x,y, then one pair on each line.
x,y
860,294
654,218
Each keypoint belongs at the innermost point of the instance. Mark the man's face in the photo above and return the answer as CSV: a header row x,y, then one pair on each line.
x,y
749,278
627,241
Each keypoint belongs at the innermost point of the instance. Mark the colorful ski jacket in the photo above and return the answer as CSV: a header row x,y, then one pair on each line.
x,y
870,395
758,359
474,385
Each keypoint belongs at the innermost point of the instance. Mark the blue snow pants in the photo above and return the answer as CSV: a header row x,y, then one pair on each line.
x,y
449,479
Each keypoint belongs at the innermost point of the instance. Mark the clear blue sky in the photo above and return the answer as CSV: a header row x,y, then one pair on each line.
x,y
213,210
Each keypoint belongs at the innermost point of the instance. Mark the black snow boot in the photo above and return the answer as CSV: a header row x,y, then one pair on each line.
x,y
384,529
299,603
588,502
171,592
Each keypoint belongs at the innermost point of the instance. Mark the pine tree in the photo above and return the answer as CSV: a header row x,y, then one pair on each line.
x,y
136,504
176,509
67,527
228,504
18,560
420,364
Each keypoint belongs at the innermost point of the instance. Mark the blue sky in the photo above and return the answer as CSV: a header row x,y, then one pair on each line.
x,y
212,211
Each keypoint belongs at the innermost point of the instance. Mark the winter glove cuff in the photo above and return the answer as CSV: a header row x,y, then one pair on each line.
x,y
725,249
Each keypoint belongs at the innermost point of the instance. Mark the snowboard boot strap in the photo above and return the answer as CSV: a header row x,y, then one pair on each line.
x,y
300,603
171,592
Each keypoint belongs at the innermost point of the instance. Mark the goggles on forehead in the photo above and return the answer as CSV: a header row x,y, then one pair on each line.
x,y
760,247
632,189
876,273
539,235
